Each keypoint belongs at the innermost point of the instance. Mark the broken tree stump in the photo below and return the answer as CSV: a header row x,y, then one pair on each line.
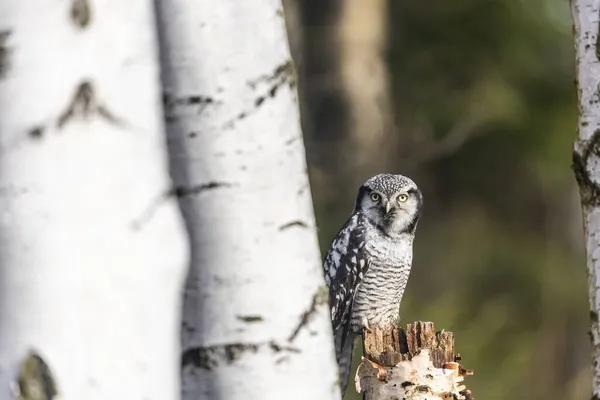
x,y
417,363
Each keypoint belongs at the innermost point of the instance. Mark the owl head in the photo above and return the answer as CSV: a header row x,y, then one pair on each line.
x,y
391,202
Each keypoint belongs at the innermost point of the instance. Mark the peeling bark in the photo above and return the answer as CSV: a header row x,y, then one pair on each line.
x,y
416,363
586,155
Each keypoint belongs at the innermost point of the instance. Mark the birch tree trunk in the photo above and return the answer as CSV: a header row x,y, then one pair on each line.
x,y
586,155
256,320
92,250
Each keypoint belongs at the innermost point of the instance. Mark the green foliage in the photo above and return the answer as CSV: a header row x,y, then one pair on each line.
x,y
499,254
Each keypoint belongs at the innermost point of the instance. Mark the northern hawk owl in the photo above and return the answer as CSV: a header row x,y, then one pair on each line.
x,y
369,261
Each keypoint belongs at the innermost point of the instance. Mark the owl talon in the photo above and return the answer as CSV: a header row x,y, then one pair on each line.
x,y
365,326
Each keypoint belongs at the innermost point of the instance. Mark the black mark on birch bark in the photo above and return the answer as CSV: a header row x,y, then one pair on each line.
x,y
595,98
588,188
35,381
212,356
84,104
187,328
406,384
291,140
172,105
277,348
597,44
36,132
250,318
283,74
4,53
183,191
298,224
179,192
198,357
81,13
301,191
320,298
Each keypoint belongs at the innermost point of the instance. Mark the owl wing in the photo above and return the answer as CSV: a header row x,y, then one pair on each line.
x,y
345,264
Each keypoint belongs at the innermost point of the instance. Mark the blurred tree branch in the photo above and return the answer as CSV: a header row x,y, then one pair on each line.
x,y
428,149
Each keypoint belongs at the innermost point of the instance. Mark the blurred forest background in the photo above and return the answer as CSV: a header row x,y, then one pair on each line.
x,y
473,99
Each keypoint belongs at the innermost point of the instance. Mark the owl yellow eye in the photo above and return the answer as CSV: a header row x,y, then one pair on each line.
x,y
402,198
375,197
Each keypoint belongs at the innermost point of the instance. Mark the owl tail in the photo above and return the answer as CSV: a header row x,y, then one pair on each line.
x,y
344,350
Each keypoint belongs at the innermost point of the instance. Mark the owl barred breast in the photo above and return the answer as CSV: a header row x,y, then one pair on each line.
x,y
369,261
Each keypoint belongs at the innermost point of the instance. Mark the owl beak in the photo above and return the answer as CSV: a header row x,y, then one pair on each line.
x,y
388,207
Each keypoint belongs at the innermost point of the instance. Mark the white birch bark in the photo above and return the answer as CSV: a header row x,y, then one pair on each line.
x,y
415,379
586,155
92,251
256,320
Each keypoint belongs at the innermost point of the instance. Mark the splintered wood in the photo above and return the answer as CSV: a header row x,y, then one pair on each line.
x,y
417,364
